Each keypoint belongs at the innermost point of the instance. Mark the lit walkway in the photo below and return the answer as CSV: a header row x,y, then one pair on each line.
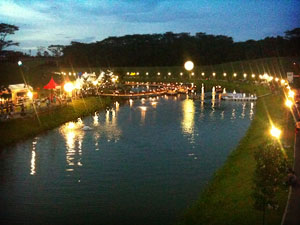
x,y
292,213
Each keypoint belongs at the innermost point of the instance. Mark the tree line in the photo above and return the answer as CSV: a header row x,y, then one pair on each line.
x,y
173,49
168,49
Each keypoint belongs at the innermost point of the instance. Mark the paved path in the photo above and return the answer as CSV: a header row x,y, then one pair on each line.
x,y
292,213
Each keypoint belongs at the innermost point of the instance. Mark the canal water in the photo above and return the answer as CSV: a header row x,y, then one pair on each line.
x,y
143,162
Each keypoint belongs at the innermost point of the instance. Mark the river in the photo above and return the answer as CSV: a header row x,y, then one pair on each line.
x,y
143,162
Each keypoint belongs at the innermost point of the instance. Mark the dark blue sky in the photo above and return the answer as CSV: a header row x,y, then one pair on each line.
x,y
61,21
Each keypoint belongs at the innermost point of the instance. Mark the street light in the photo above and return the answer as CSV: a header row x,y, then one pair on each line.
x,y
289,103
69,87
234,74
291,94
275,132
20,63
189,65
224,74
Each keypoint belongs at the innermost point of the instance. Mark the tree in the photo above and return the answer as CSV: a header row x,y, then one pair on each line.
x,y
271,169
40,50
46,54
7,29
56,50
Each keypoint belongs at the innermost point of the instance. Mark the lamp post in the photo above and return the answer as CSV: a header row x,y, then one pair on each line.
x,y
189,65
275,132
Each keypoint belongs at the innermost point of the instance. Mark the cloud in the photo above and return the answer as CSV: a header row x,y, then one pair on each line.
x,y
22,13
60,22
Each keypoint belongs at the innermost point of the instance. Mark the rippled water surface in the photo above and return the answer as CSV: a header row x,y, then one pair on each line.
x,y
141,163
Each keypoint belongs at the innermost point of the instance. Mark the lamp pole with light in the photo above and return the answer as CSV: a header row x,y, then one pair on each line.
x,y
189,66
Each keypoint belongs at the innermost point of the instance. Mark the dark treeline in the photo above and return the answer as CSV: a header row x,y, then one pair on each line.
x,y
172,49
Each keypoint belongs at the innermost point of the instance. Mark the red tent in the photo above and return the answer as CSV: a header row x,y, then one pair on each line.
x,y
51,84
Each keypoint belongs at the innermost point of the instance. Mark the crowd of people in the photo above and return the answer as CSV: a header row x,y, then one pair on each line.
x,y
22,107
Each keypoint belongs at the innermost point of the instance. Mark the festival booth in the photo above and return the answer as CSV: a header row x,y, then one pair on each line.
x,y
19,92
51,86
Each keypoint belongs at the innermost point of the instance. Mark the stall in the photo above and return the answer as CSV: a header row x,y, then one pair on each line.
x,y
19,92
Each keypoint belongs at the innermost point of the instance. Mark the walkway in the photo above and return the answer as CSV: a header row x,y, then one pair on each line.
x,y
292,213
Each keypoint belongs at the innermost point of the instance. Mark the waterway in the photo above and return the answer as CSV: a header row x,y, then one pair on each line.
x,y
143,162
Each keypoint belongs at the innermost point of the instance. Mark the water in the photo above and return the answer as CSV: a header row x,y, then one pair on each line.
x,y
142,163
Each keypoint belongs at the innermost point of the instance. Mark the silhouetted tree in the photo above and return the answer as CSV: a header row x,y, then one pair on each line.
x,y
6,29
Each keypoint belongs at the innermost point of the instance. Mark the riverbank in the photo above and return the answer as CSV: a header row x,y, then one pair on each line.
x,y
227,198
19,129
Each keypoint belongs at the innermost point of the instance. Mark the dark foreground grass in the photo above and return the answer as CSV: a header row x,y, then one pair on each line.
x,y
19,129
227,198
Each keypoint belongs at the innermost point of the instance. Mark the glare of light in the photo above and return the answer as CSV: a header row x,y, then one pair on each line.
x,y
289,103
69,87
276,79
253,75
260,76
193,74
275,132
187,123
95,82
70,73
130,102
245,75
71,125
127,73
291,94
169,73
143,108
29,94
20,63
189,65
32,170
74,74
214,74
147,73
270,78
181,74
158,73
202,73
137,73
113,80
95,118
224,74
234,74
282,81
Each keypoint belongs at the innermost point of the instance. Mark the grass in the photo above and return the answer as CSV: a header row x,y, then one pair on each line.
x,y
227,198
15,130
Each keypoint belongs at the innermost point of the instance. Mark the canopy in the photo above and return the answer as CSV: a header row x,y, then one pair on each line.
x,y
19,87
51,84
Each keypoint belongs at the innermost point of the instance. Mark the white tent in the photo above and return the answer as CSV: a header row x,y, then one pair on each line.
x,y
19,90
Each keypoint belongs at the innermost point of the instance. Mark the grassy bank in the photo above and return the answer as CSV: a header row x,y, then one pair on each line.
x,y
19,129
227,198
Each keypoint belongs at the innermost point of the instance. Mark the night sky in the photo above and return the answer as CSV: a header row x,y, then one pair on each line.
x,y
43,23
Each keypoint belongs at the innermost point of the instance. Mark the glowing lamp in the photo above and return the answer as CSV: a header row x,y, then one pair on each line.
x,y
275,132
189,65
289,103
68,87
29,94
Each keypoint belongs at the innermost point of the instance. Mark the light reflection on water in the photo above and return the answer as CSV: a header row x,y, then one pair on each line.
x,y
146,161
73,134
